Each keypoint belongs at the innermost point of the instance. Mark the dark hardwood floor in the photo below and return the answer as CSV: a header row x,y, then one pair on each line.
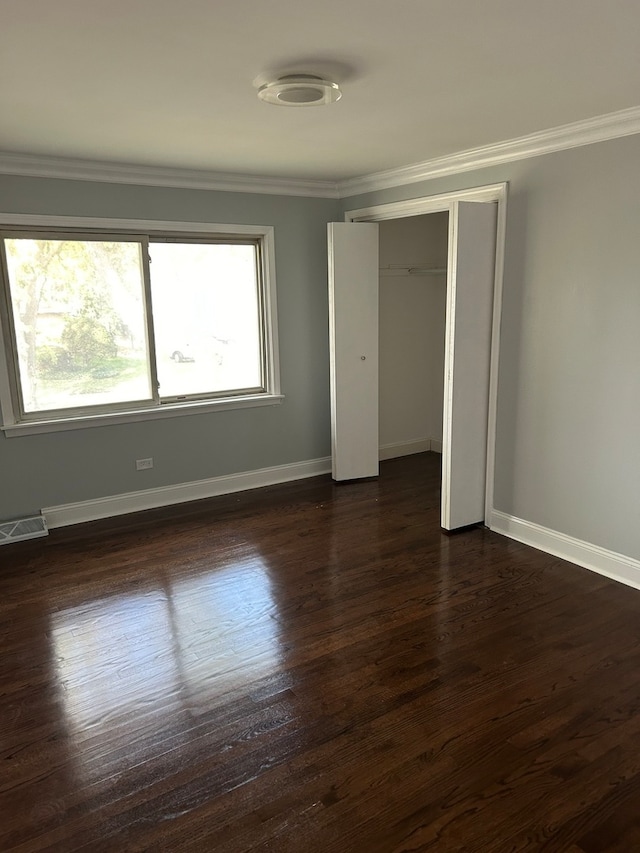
x,y
312,667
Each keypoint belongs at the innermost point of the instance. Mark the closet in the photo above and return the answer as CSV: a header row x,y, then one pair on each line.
x,y
412,303
411,335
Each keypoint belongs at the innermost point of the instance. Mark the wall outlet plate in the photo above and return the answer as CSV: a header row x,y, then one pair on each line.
x,y
143,464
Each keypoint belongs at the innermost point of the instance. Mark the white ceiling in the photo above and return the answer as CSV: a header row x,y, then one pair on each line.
x,y
172,84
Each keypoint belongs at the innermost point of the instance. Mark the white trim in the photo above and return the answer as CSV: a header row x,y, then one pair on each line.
x,y
86,223
76,513
70,169
272,340
586,132
166,410
494,365
404,448
436,445
6,401
608,563
574,135
445,202
426,204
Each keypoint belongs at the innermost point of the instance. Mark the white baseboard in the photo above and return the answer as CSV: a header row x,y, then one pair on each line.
x,y
75,513
608,563
406,448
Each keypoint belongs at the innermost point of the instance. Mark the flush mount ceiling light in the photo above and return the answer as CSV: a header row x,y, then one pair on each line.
x,y
300,90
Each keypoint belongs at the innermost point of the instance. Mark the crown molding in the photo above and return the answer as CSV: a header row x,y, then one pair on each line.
x,y
28,165
599,129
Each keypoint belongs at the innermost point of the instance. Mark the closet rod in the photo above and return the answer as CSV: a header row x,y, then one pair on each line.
x,y
427,270
397,269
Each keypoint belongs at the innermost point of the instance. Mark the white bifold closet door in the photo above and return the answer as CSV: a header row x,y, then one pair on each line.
x,y
467,362
353,334
353,312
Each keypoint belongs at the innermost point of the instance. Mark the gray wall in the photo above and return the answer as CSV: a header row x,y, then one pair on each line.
x,y
63,467
568,448
568,435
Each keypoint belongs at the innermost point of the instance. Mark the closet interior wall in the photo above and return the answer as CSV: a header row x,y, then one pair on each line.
x,y
413,258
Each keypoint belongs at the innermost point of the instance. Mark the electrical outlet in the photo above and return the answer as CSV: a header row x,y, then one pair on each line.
x,y
143,464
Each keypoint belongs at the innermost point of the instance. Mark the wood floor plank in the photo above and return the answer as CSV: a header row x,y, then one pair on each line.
x,y
314,667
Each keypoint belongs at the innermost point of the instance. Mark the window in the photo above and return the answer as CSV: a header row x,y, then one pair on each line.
x,y
100,324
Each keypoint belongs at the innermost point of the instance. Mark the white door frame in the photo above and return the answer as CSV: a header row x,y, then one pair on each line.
x,y
444,202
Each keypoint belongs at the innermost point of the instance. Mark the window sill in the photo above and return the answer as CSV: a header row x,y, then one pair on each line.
x,y
168,410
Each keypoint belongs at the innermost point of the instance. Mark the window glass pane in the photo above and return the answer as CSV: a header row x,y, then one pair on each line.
x,y
206,317
78,311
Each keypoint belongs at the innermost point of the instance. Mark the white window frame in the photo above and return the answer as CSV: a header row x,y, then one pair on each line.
x,y
13,425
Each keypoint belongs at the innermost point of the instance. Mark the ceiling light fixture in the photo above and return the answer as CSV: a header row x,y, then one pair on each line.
x,y
300,90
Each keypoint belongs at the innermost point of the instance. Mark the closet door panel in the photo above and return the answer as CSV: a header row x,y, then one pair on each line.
x,y
471,270
353,332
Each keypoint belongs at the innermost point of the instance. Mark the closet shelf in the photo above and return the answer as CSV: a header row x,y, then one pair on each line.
x,y
411,269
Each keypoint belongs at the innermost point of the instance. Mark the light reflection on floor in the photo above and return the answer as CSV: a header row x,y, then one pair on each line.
x,y
172,651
